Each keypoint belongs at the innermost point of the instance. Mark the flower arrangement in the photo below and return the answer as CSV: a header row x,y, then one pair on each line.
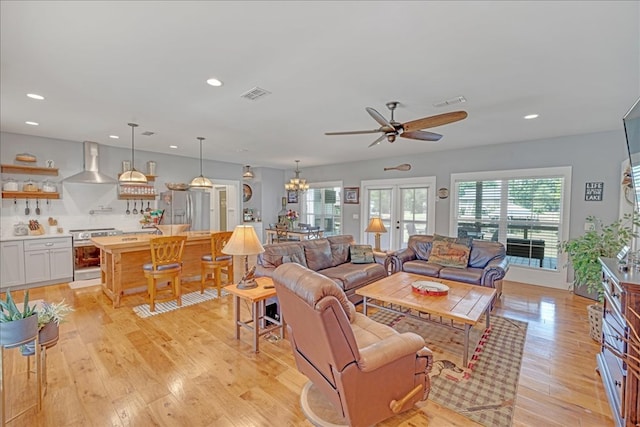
x,y
292,215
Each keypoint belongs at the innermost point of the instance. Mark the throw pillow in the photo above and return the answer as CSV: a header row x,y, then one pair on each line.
x,y
361,254
449,254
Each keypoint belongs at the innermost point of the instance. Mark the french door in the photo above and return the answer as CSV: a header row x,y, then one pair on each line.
x,y
406,207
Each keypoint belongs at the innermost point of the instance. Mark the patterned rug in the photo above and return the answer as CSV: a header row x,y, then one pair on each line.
x,y
187,300
485,390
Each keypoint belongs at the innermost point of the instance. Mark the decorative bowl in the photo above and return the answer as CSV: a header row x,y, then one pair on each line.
x,y
179,186
425,287
172,229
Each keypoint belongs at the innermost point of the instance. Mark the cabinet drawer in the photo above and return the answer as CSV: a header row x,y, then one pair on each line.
x,y
613,335
618,379
40,244
612,288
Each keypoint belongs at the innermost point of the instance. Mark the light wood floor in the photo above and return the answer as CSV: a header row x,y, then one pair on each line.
x,y
185,368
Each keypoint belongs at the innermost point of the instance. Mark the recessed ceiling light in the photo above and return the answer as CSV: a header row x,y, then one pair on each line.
x,y
531,116
114,137
173,146
214,82
32,123
35,96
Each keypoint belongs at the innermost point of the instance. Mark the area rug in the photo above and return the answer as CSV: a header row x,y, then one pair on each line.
x,y
187,300
485,390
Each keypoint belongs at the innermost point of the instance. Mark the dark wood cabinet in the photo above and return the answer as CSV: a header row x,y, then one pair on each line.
x,y
621,292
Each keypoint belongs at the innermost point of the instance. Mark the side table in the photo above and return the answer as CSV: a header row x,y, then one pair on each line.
x,y
257,297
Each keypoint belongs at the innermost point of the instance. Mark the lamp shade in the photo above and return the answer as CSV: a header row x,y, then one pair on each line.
x,y
243,241
132,177
376,226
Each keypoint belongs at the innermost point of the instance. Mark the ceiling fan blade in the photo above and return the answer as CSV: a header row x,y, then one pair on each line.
x,y
433,121
353,132
377,141
421,135
379,118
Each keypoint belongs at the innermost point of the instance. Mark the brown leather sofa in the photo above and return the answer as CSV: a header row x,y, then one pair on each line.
x,y
487,265
367,370
328,256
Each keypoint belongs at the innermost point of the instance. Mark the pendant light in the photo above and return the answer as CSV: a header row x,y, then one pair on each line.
x,y
132,177
248,173
201,181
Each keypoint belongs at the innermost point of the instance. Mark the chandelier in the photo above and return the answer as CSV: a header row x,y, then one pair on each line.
x,y
248,173
297,183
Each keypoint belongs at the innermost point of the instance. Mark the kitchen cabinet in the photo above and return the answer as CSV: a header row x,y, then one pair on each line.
x,y
12,262
29,170
48,260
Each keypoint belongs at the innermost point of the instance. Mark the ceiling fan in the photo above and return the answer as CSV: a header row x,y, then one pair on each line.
x,y
412,130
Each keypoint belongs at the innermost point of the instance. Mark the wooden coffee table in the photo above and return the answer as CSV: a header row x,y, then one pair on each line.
x,y
464,304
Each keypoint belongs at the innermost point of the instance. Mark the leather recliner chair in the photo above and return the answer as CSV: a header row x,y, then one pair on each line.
x,y
367,370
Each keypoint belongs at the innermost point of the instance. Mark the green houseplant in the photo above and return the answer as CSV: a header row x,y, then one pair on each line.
x,y
16,326
600,241
49,317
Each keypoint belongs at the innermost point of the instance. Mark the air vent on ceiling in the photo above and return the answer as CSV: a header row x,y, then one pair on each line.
x,y
456,100
148,133
255,94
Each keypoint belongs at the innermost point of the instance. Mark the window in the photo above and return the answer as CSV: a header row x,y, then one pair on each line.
x,y
525,210
321,207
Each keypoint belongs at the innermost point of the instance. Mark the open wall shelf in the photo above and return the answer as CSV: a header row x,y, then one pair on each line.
x,y
30,170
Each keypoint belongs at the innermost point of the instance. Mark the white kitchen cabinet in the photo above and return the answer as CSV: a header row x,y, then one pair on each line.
x,y
12,261
48,260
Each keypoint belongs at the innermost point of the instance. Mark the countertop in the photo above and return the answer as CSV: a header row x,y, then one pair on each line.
x,y
41,236
142,239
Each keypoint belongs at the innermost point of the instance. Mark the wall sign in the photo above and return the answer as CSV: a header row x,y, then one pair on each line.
x,y
593,191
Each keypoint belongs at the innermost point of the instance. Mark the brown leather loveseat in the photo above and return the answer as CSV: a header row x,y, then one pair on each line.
x,y
367,370
328,256
487,263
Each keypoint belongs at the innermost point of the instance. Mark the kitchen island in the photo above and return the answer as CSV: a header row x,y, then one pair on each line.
x,y
122,258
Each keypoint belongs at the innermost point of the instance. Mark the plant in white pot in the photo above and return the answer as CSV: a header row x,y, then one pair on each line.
x,y
16,326
49,317
604,241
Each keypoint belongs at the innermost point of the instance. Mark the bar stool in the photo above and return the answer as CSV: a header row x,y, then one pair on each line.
x,y
166,265
216,261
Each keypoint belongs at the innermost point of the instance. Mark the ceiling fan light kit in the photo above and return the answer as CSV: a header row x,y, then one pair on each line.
x,y
132,177
411,130
201,181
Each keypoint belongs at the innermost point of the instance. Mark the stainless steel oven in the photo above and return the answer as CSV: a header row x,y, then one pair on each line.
x,y
86,256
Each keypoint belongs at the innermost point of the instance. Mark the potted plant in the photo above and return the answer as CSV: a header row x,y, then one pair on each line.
x,y
600,241
49,317
16,326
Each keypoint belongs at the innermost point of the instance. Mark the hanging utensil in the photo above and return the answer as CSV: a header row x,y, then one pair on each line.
x,y
403,167
48,205
127,211
15,204
27,211
141,207
135,210
148,208
37,206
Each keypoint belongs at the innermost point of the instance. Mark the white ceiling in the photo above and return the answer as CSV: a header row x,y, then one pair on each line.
x,y
101,65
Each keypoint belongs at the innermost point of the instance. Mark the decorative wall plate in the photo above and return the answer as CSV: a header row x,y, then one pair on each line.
x,y
246,193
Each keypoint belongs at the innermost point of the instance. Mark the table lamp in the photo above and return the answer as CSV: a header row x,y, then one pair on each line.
x,y
376,226
244,242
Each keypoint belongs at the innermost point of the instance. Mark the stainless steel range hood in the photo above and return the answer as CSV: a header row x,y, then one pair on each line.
x,y
90,174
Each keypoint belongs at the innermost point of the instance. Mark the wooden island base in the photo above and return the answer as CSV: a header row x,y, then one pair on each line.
x,y
122,258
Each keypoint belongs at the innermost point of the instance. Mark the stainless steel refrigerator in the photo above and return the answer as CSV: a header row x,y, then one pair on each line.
x,y
186,207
